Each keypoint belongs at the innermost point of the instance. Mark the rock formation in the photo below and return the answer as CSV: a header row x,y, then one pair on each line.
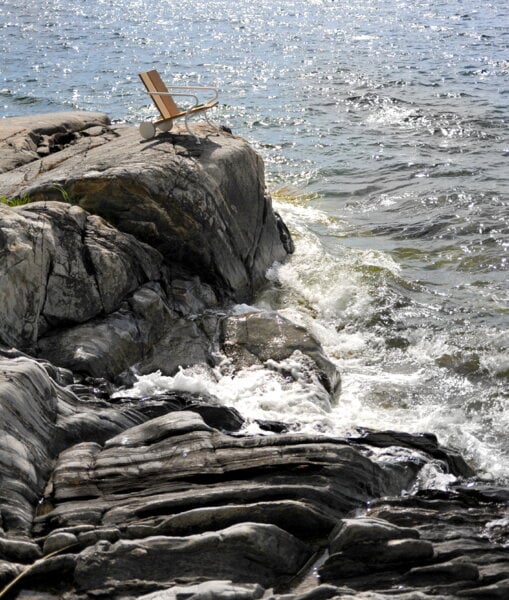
x,y
129,259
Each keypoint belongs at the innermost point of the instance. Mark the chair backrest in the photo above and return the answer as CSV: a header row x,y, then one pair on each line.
x,y
165,104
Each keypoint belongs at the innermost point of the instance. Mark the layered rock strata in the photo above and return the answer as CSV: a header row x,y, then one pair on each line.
x,y
123,497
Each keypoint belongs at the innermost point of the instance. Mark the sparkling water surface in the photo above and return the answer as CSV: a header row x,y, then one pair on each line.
x,y
383,124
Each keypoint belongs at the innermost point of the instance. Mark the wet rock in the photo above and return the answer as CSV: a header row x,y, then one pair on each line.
x,y
301,519
259,337
322,592
53,568
87,470
38,419
89,538
154,488
426,442
213,413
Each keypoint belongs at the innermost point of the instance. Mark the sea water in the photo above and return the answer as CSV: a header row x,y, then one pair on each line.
x,y
383,125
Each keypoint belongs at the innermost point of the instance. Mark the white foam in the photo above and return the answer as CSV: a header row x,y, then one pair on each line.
x,y
156,384
382,387
285,391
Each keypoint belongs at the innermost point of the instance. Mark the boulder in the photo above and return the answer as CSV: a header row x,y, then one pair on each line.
x,y
266,337
203,207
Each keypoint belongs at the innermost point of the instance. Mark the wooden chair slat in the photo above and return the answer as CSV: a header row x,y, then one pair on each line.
x,y
165,104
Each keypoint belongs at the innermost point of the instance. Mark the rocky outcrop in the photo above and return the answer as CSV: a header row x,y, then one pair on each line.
x,y
130,259
124,244
204,206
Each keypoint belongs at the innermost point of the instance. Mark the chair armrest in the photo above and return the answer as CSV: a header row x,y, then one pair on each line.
x,y
196,99
188,95
196,88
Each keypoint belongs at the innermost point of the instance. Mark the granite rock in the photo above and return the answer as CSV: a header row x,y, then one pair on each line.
x,y
203,207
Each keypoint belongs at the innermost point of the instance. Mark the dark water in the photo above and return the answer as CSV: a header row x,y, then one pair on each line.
x,y
384,129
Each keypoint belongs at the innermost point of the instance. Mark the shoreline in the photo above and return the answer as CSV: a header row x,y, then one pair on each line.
x,y
128,261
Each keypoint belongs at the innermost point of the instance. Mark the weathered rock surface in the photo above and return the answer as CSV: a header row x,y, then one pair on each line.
x,y
26,139
247,552
61,265
203,207
453,545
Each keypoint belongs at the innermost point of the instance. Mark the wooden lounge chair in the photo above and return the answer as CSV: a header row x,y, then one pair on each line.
x,y
166,106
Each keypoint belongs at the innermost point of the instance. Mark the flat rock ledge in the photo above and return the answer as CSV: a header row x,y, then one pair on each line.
x,y
130,257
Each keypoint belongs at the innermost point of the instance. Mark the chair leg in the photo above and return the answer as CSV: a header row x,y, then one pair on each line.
x,y
166,126
197,139
211,123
